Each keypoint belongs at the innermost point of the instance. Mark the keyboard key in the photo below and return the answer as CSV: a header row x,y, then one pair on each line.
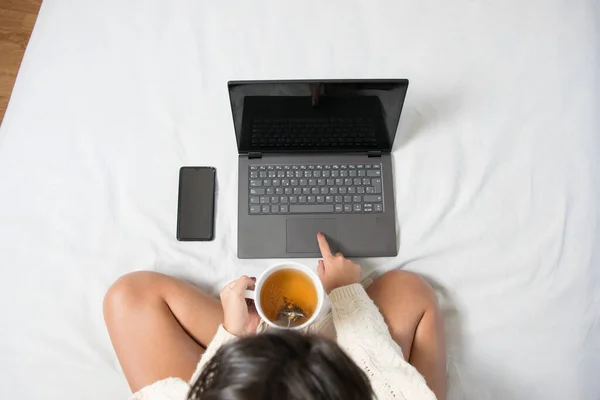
x,y
343,166
270,167
339,181
339,199
293,199
308,174
254,200
360,190
343,190
317,174
255,183
262,167
351,166
317,208
376,185
347,181
360,166
333,190
294,182
314,190
351,190
321,182
344,174
312,182
366,181
299,174
254,209
253,167
357,207
329,199
253,174
301,182
357,181
264,200
327,166
347,199
257,191
373,172
281,174
267,182
338,208
324,190
275,209
352,173
266,209
276,182
288,190
272,174
320,199
373,198
283,209
348,207
378,207
362,173
286,182
283,199
335,167
270,190
274,200
305,190
302,199
326,174
370,190
289,174
335,174
311,199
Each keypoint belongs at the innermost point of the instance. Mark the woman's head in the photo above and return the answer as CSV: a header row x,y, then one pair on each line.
x,y
284,366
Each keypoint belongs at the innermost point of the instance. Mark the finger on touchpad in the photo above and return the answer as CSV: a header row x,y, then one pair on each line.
x,y
302,234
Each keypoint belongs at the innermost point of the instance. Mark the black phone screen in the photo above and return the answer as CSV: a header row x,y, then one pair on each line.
x,y
195,213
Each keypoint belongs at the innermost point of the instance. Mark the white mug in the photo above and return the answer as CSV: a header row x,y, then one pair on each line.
x,y
255,294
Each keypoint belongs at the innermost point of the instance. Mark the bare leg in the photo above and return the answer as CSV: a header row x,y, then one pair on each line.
x,y
159,326
411,311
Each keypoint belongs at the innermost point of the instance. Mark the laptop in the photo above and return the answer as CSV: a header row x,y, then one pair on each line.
x,y
314,156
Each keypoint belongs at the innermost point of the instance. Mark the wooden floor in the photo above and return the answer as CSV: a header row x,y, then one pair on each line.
x,y
17,18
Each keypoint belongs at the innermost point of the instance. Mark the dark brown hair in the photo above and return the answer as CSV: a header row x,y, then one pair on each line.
x,y
285,365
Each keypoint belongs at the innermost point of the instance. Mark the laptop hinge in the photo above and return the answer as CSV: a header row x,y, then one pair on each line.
x,y
374,154
254,154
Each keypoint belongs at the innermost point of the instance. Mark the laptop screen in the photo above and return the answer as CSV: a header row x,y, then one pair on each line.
x,y
328,116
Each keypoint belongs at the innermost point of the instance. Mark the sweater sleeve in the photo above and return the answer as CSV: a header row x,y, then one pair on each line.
x,y
222,337
364,335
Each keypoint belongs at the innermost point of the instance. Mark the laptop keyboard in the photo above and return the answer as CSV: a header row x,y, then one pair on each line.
x,y
313,132
315,189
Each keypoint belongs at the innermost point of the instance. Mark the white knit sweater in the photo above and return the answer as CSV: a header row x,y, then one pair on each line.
x,y
361,332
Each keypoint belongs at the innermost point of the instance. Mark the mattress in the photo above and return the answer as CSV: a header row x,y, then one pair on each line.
x,y
495,165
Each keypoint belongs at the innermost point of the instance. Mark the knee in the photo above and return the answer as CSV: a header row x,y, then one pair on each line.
x,y
126,292
412,285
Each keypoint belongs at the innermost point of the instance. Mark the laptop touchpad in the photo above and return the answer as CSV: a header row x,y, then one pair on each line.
x,y
302,234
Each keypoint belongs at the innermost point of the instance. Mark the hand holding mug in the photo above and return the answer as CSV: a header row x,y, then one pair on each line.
x,y
335,270
239,316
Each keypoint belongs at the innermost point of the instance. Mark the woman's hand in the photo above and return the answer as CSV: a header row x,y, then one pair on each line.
x,y
240,316
334,270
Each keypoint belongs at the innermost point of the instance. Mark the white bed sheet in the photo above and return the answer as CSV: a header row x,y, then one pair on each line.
x,y
496,172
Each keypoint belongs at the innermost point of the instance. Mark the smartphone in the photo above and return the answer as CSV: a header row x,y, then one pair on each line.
x,y
196,204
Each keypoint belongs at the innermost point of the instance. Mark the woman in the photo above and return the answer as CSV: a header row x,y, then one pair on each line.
x,y
161,327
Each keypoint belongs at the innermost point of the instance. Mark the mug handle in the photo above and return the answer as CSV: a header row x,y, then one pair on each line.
x,y
250,294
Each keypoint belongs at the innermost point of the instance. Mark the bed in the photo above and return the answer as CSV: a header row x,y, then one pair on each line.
x,y
496,173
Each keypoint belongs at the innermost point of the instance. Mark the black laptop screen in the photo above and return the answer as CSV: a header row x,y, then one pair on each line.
x,y
329,116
